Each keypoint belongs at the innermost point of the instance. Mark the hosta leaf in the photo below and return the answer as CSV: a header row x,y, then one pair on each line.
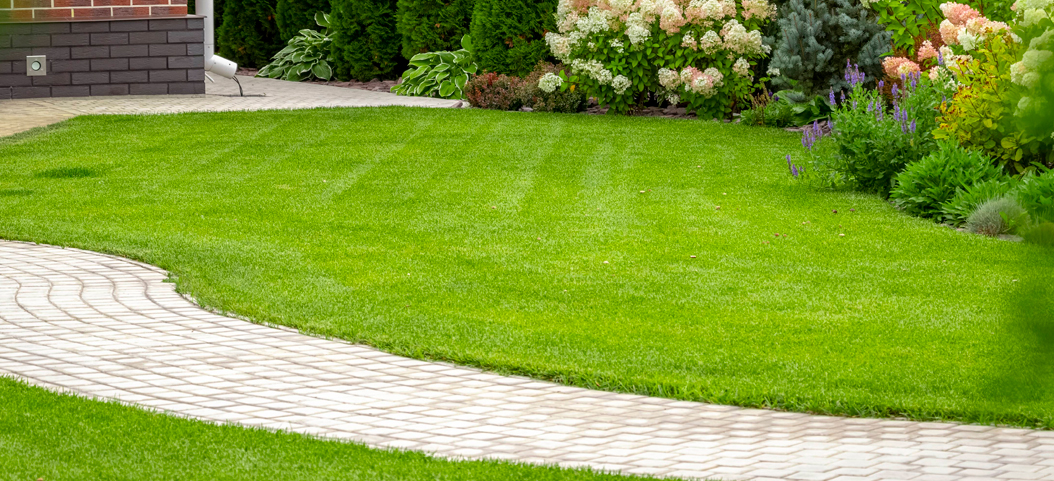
x,y
460,81
446,88
322,70
442,67
322,19
466,42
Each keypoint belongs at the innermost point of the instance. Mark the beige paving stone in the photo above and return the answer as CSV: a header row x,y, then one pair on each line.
x,y
105,327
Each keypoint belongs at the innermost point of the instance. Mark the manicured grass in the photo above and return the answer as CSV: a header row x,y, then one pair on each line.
x,y
558,246
62,437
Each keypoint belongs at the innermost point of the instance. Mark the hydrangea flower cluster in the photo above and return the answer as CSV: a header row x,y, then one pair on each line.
x,y
1035,70
550,82
597,39
965,26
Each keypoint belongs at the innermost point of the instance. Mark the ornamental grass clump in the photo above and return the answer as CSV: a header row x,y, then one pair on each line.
x,y
997,217
626,53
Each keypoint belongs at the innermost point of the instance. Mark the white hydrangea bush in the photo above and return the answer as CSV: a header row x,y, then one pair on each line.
x,y
625,52
1034,73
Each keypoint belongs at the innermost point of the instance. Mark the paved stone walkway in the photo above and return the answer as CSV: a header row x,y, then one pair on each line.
x,y
261,94
108,327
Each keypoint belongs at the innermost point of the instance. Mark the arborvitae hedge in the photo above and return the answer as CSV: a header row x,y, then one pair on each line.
x,y
817,37
217,12
365,40
248,34
509,35
296,15
430,25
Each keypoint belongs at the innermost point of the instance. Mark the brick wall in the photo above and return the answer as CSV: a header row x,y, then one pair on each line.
x,y
45,10
112,57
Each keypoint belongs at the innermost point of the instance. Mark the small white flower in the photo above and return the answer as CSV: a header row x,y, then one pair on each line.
x,y
621,83
550,82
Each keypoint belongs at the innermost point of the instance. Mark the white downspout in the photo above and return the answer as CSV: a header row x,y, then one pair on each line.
x,y
213,63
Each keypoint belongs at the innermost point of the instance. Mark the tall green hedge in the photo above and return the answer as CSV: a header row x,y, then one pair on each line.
x,y
430,25
295,15
248,34
217,12
509,35
365,40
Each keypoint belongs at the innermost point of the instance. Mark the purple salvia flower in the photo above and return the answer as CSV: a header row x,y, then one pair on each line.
x,y
794,170
843,96
831,97
940,58
895,90
881,83
912,126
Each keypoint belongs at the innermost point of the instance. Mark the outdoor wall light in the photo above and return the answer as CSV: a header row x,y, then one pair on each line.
x,y
36,65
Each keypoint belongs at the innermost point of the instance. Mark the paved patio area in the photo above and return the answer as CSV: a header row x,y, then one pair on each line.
x,y
106,327
260,94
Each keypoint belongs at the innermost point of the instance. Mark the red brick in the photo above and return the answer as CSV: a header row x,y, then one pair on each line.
x,y
178,2
72,3
32,3
149,2
91,12
52,13
109,3
170,11
16,15
131,12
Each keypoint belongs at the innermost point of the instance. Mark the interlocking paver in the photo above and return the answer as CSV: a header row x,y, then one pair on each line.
x,y
107,327
260,94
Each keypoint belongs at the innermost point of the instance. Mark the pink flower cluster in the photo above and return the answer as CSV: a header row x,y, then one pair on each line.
x,y
965,26
895,67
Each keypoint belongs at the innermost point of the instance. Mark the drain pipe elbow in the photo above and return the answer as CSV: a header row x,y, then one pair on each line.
x,y
213,63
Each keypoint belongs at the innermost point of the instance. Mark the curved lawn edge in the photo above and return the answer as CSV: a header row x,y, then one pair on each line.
x,y
601,382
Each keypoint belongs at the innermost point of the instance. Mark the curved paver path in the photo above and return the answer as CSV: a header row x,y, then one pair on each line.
x,y
108,327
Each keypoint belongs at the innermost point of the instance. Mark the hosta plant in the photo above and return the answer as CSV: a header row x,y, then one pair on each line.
x,y
626,53
307,55
439,74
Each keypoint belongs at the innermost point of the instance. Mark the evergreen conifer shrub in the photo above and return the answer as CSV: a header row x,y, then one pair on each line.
x,y
509,35
248,34
295,15
365,41
432,25
818,37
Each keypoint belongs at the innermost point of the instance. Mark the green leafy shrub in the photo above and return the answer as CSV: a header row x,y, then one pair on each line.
x,y
997,217
818,37
439,74
632,54
567,99
1037,195
908,21
365,41
510,34
928,183
1042,234
1033,74
494,91
293,16
248,35
979,115
969,198
305,56
432,25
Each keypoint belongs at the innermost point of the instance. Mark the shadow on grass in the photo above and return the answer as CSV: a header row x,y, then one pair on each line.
x,y
69,173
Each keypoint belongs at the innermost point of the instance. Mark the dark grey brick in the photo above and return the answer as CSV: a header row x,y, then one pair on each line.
x,y
150,63
18,28
17,79
5,93
195,49
90,52
186,62
168,24
109,64
130,26
89,27
120,38
89,78
71,91
53,53
52,79
186,36
186,88
39,40
71,40
61,27
30,92
138,38
129,51
130,77
168,50
5,41
109,89
196,75
70,65
148,89
5,67
15,53
195,23
168,76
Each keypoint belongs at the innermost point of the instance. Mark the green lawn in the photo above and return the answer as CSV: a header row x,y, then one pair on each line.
x,y
61,437
558,246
